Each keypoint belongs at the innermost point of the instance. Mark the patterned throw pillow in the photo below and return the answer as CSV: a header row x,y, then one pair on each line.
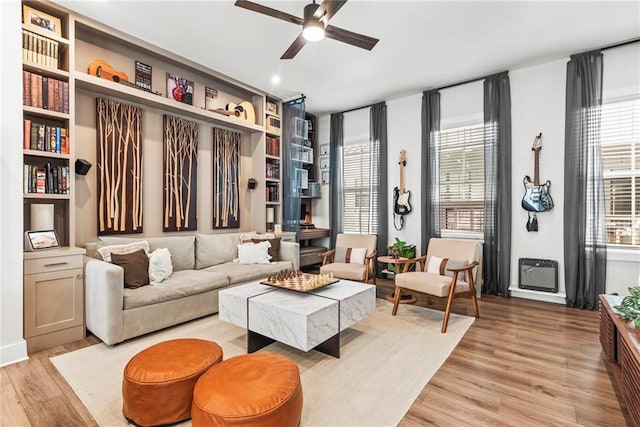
x,y
128,248
439,265
136,268
350,255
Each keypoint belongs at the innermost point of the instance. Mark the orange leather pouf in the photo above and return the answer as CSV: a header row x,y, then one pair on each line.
x,y
157,387
259,389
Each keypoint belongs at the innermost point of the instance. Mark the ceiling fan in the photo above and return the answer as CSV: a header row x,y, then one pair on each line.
x,y
314,25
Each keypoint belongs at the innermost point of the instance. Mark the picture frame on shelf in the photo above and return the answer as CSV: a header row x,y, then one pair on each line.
x,y
143,76
179,89
323,161
324,177
210,98
324,149
35,19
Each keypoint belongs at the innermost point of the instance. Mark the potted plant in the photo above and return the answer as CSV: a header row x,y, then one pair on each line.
x,y
629,307
403,250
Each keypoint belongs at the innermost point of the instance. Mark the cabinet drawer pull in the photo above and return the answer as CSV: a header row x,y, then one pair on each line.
x,y
56,264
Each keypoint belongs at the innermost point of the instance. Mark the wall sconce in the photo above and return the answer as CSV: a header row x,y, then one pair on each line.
x,y
252,184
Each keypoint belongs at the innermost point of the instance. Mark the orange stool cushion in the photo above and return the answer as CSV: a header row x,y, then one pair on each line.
x,y
157,387
255,389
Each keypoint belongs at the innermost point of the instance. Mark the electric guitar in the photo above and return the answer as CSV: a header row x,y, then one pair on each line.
x,y
401,204
536,197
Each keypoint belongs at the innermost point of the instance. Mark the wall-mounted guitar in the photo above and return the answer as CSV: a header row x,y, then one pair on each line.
x,y
536,197
401,203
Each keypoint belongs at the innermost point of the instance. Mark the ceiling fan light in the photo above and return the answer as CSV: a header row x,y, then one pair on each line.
x,y
313,30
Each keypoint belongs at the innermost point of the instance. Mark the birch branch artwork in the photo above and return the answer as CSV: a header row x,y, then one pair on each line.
x,y
180,174
119,152
226,176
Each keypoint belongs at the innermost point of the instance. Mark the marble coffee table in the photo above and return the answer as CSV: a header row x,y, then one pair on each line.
x,y
311,320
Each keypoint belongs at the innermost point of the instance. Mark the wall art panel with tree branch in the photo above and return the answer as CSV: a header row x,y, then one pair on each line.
x,y
226,176
119,153
180,172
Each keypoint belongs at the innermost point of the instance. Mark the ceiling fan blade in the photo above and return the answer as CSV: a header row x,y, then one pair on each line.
x,y
255,7
328,8
295,47
349,37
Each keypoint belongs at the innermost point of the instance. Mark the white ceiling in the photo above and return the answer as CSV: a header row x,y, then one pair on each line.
x,y
423,44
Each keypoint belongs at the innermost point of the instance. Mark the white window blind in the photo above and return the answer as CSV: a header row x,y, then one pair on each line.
x,y
620,136
360,187
461,158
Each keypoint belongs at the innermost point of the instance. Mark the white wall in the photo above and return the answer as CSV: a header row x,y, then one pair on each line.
x,y
13,347
537,105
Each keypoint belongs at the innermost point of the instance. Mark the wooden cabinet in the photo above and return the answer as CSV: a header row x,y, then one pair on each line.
x,y
53,297
621,348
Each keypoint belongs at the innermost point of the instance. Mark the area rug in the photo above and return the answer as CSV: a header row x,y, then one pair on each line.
x,y
385,362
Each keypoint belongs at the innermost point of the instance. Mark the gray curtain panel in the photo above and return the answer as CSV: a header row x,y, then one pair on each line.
x,y
585,247
497,186
336,143
293,115
430,173
379,202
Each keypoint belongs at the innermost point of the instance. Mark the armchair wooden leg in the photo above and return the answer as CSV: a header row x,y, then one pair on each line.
x,y
474,300
396,301
452,292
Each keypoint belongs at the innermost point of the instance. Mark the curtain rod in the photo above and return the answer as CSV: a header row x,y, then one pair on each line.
x,y
626,42
355,109
468,81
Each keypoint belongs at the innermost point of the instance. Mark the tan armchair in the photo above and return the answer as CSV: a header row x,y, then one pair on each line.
x,y
353,258
464,258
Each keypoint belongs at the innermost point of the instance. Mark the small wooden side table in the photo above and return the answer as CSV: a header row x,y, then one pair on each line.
x,y
403,264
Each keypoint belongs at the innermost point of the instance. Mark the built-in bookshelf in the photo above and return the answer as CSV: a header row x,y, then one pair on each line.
x,y
47,122
273,163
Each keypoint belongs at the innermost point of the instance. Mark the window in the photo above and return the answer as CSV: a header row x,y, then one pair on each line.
x,y
620,136
361,183
461,163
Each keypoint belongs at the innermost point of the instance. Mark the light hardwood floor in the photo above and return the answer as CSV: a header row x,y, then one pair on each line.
x,y
523,363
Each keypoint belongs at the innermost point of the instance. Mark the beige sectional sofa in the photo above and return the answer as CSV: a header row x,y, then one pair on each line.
x,y
202,264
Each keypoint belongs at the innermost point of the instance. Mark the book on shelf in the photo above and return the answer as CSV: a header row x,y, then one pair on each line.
x,y
44,137
47,179
45,92
39,49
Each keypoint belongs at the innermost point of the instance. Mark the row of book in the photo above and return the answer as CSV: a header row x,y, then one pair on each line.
x,y
39,49
49,179
45,92
272,170
273,146
42,137
273,193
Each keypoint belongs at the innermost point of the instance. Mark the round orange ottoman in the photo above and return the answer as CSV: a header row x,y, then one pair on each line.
x,y
259,389
157,387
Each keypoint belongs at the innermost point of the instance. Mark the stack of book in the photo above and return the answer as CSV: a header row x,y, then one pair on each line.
x,y
273,146
45,92
39,49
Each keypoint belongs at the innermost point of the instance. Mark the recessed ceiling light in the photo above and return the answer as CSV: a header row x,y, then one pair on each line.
x,y
275,79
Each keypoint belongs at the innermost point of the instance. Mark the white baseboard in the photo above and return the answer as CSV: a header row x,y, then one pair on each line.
x,y
13,353
558,298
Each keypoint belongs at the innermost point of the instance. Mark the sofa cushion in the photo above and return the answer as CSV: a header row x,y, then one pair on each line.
x,y
274,250
180,284
241,273
429,283
127,248
182,248
214,249
136,268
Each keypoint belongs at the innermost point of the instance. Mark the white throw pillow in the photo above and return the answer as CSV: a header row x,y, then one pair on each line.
x,y
128,248
350,255
254,253
160,266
